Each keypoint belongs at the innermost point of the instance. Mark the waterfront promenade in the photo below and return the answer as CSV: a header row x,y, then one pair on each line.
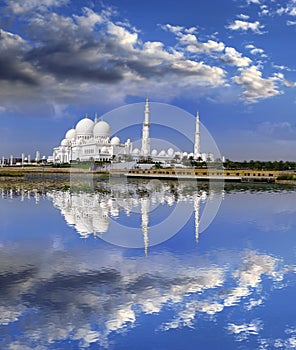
x,y
165,173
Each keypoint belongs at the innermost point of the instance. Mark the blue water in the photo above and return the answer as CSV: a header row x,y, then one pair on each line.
x,y
83,270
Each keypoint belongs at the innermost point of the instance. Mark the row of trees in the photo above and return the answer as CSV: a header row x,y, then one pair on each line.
x,y
260,165
229,164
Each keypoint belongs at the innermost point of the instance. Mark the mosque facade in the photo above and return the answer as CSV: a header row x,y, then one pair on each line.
x,y
90,141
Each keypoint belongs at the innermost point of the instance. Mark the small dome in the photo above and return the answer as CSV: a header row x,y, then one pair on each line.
x,y
70,134
162,153
170,152
64,142
115,141
154,153
184,154
102,129
136,151
85,126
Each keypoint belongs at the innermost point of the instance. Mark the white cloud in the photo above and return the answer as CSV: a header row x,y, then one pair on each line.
x,y
254,86
291,23
206,47
122,35
245,26
253,2
235,58
11,42
95,56
172,28
243,331
190,41
292,11
89,20
289,9
280,11
242,16
26,6
254,50
264,11
253,303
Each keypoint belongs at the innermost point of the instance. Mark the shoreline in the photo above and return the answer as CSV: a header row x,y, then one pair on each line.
x,y
45,175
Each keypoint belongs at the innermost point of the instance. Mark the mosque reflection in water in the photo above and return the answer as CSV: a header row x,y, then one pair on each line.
x,y
91,213
236,287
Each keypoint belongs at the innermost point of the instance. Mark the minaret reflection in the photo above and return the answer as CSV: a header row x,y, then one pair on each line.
x,y
91,213
145,206
196,201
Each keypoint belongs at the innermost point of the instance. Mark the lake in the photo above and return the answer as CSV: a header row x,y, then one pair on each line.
x,y
148,265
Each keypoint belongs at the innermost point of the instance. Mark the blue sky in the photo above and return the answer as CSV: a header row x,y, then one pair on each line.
x,y
233,60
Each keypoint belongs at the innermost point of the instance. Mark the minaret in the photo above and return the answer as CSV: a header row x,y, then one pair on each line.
x,y
145,131
197,138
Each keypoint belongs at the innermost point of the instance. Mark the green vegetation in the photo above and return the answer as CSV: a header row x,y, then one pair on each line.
x,y
11,174
260,165
157,166
64,165
286,177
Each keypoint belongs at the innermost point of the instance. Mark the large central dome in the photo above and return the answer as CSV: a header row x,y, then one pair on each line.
x,y
85,127
102,128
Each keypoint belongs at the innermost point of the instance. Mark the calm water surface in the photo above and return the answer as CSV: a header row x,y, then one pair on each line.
x,y
84,270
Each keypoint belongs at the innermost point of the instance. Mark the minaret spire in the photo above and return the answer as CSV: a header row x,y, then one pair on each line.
x,y
197,137
146,131
96,118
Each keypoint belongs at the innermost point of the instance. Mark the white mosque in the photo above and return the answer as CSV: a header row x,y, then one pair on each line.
x,y
90,141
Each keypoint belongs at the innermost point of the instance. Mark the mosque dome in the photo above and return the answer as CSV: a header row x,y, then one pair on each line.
x,y
70,134
115,141
162,153
185,154
154,153
85,126
136,151
64,142
102,128
170,152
